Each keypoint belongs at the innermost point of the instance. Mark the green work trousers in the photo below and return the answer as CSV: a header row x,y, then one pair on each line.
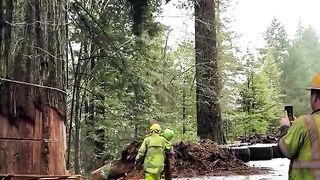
x,y
151,176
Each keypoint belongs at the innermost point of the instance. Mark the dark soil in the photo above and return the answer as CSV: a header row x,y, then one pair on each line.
x,y
188,160
254,139
207,159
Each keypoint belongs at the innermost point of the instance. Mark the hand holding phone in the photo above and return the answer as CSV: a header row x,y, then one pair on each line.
x,y
285,121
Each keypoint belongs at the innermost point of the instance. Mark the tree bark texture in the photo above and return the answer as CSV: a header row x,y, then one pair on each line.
x,y
77,127
32,49
209,123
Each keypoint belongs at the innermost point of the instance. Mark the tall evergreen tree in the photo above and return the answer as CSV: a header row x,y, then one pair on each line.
x,y
274,101
209,122
252,99
277,41
260,96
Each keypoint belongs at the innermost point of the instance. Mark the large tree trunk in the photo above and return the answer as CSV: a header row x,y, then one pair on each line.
x,y
209,123
33,50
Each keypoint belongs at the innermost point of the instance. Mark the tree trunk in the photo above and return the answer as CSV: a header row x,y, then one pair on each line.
x,y
77,121
76,74
32,118
209,123
184,109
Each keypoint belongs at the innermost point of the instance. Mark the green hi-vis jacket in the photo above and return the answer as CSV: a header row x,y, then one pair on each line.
x,y
301,144
153,150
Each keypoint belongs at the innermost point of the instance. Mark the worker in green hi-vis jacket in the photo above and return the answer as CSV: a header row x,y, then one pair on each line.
x,y
300,142
152,151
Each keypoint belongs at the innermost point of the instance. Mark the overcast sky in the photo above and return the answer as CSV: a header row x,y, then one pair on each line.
x,y
250,18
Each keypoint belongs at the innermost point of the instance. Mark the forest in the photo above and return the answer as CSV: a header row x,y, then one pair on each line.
x,y
101,72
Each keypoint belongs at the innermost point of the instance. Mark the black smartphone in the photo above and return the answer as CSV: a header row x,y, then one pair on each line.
x,y
289,110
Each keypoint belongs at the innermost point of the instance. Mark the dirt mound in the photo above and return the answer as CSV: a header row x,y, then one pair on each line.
x,y
187,160
254,139
207,159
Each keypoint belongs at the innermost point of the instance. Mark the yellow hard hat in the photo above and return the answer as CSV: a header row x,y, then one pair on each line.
x,y
315,82
155,127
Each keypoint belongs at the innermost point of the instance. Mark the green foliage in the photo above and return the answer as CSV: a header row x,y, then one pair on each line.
x,y
117,96
278,77
277,41
302,62
274,103
253,97
229,67
297,61
129,82
189,136
142,15
259,98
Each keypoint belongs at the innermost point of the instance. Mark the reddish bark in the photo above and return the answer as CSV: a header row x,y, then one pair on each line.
x,y
30,156
33,39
